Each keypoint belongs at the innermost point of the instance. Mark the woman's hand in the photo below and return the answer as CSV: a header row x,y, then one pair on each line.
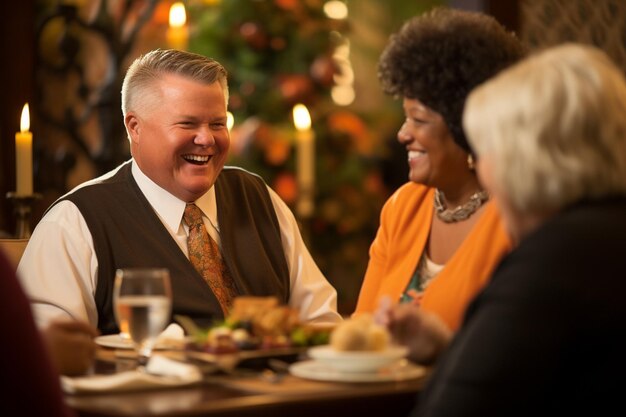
x,y
424,333
71,346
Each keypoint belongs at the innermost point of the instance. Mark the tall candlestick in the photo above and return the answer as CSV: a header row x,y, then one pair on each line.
x,y
305,158
24,156
177,33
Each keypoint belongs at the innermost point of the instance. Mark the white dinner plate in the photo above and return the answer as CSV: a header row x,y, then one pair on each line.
x,y
402,370
118,342
357,361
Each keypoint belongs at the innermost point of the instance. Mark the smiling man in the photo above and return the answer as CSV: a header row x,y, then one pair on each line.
x,y
174,105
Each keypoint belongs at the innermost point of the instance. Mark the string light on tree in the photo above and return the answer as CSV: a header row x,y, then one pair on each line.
x,y
342,92
336,9
280,53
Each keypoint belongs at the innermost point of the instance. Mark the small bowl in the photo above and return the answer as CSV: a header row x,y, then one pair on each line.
x,y
357,361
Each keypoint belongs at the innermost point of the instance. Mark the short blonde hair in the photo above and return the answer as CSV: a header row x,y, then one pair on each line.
x,y
554,128
148,68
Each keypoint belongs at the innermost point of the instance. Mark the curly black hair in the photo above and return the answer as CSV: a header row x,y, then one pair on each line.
x,y
440,56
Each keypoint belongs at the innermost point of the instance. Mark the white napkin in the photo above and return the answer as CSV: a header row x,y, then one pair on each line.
x,y
159,372
172,333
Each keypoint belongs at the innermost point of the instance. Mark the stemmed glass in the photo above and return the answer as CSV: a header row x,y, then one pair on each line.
x,y
142,301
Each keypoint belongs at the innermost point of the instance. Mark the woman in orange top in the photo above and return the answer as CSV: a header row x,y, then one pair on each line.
x,y
439,237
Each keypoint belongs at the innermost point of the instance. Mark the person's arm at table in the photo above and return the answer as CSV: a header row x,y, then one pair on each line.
x,y
71,345
30,384
424,333
311,293
58,268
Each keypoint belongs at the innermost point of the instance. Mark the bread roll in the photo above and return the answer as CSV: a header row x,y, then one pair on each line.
x,y
359,334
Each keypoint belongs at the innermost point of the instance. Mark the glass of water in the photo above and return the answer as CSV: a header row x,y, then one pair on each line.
x,y
142,301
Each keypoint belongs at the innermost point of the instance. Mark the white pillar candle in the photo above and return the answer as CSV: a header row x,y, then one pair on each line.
x,y
177,33
24,156
305,160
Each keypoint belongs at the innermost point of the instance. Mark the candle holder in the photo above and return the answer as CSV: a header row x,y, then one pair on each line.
x,y
305,206
22,207
304,212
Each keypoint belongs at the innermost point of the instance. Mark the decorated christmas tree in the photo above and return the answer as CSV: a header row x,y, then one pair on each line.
x,y
279,53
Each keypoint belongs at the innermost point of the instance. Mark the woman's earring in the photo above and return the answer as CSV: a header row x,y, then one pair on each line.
x,y
470,162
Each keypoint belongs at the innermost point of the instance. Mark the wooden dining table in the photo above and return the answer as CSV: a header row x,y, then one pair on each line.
x,y
249,391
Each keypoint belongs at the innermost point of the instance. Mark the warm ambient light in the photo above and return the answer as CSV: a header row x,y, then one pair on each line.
x,y
230,120
336,9
25,119
305,160
177,33
178,16
343,95
301,117
24,155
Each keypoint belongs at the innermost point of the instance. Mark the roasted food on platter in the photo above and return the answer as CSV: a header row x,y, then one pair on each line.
x,y
258,323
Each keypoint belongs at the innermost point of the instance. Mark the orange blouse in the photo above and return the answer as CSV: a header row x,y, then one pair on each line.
x,y
400,241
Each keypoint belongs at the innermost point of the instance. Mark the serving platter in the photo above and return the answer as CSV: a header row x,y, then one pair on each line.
x,y
254,358
116,341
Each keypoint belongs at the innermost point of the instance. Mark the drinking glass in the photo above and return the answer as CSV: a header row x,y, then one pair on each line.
x,y
142,301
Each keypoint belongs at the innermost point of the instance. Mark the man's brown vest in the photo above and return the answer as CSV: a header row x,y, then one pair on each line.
x,y
127,232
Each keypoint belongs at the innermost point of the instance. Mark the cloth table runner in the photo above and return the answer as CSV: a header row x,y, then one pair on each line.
x,y
205,256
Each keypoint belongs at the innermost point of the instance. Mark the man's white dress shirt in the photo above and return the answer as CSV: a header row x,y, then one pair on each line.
x,y
59,267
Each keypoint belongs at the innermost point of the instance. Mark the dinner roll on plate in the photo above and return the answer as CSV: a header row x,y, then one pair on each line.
x,y
360,333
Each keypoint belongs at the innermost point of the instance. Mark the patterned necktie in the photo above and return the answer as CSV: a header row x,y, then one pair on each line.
x,y
205,256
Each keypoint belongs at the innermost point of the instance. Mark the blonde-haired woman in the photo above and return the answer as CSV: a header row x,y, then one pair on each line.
x,y
546,336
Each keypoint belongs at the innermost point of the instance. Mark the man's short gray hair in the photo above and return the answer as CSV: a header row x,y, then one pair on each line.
x,y
150,67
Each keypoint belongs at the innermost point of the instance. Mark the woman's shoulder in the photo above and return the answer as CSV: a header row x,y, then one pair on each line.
x,y
410,194
408,204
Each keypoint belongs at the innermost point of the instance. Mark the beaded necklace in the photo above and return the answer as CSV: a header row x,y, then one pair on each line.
x,y
461,212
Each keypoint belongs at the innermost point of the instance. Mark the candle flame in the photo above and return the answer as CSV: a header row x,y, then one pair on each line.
x,y
301,117
178,16
336,9
25,119
230,120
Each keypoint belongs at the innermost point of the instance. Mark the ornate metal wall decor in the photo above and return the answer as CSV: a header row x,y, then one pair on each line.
x,y
80,63
597,22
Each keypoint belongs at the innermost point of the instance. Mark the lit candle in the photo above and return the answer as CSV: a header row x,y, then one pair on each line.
x,y
305,168
177,33
24,156
230,121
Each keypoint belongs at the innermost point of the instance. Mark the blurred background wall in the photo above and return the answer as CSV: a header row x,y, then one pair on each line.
x,y
67,59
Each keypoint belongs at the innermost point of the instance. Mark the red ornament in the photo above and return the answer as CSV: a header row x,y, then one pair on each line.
x,y
278,44
247,88
286,187
286,4
295,87
254,35
323,69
